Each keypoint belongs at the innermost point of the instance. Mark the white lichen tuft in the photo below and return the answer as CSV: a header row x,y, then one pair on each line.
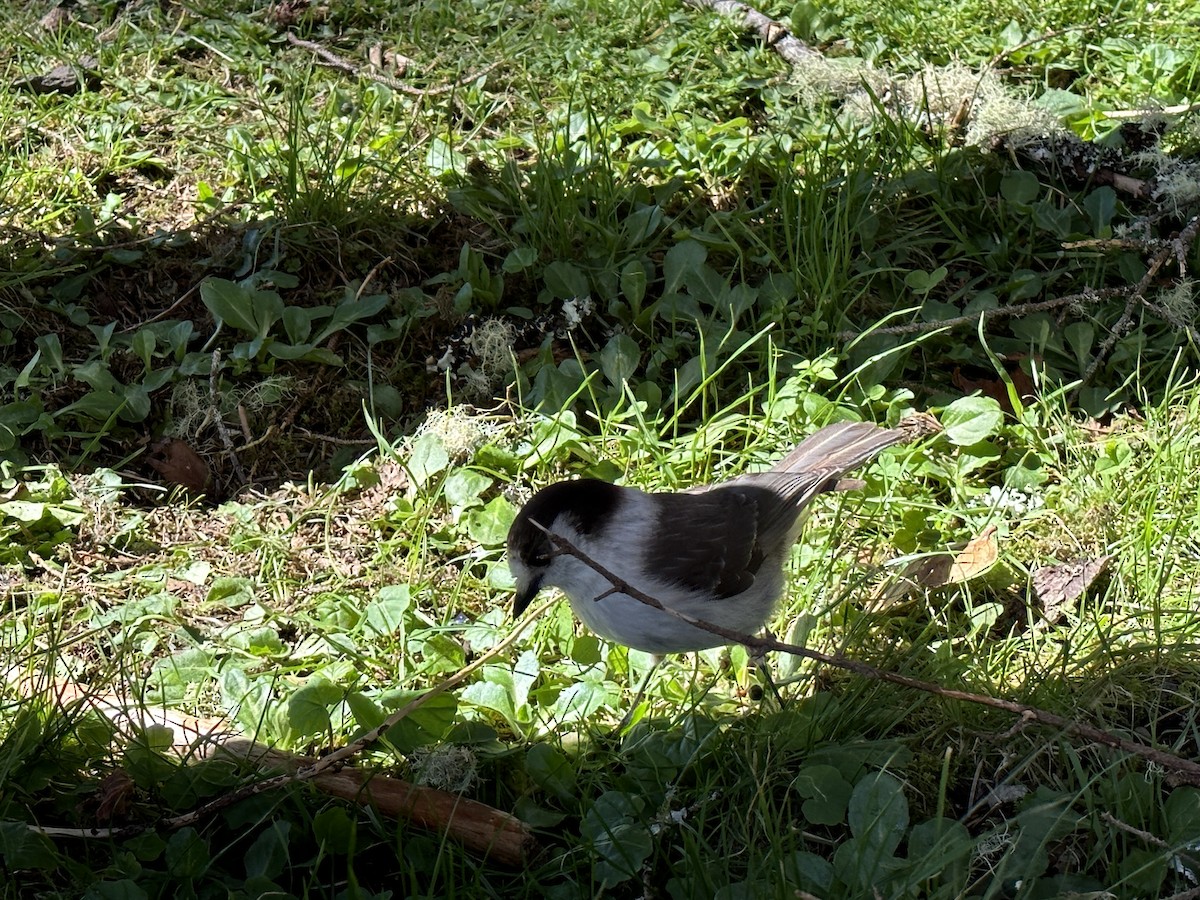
x,y
1178,303
576,310
447,767
1176,181
460,431
819,78
192,402
954,96
492,342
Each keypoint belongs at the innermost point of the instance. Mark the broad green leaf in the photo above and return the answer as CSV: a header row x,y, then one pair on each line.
x,y
324,356
464,487
258,642
519,259
489,526
333,830
1182,812
229,302
642,223
386,613
490,456
1100,205
827,794
1024,284
143,344
186,854
583,699
619,359
308,708
352,309
367,713
442,159
878,811
551,771
970,420
922,282
1051,218
681,260
122,889
427,724
21,848
98,405
297,322
280,350
536,816
268,855
633,284
936,844
565,280
95,374
1081,338
620,841
492,694
50,351
506,690
861,864
137,403
429,457
810,872
1020,187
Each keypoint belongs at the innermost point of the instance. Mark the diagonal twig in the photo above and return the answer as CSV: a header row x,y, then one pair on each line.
x,y
772,33
1185,769
332,59
1137,296
338,758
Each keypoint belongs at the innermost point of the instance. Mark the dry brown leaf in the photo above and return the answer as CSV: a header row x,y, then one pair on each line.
x,y
995,387
179,464
1060,587
938,570
977,557
112,799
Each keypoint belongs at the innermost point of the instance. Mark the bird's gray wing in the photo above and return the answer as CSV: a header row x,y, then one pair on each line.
x,y
714,542
816,465
715,538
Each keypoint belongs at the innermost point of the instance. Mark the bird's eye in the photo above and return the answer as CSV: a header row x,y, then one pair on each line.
x,y
540,559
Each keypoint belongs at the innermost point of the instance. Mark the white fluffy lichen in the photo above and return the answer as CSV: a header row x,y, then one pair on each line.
x,y
955,96
1176,181
576,310
820,78
447,767
1178,303
459,429
492,343
491,347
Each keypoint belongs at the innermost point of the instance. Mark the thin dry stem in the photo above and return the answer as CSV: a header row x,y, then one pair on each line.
x,y
1184,770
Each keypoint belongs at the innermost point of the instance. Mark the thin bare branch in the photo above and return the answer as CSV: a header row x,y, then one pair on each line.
x,y
1184,769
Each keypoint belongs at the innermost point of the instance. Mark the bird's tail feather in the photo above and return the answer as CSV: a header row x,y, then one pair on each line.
x,y
839,448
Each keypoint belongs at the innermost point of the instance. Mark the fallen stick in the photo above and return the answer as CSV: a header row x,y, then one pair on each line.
x,y
482,829
773,34
501,837
1184,770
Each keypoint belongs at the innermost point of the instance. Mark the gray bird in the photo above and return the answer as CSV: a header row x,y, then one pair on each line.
x,y
714,552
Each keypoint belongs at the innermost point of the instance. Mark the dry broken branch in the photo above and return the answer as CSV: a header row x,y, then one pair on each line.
x,y
332,59
1185,770
772,33
483,829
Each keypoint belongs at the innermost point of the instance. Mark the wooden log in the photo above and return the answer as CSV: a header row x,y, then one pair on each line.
x,y
482,829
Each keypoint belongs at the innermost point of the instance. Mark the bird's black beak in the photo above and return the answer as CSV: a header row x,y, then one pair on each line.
x,y
525,596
